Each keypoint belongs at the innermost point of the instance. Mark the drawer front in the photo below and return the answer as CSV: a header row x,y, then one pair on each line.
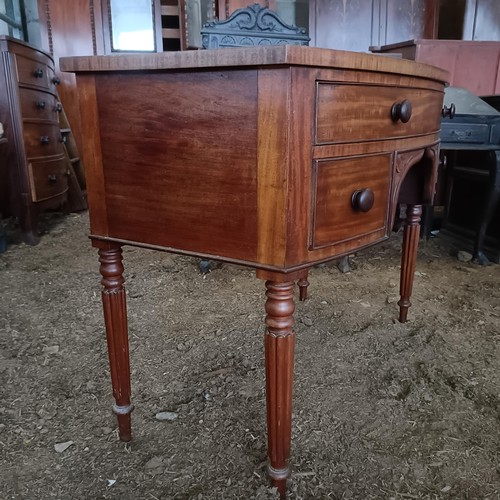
x,y
38,105
33,72
48,179
42,140
336,216
347,113
469,133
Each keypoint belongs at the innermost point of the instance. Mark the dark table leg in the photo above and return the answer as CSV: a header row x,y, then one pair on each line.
x,y
279,347
115,316
491,202
409,257
303,285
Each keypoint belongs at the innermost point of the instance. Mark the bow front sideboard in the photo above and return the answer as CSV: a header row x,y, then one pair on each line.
x,y
277,158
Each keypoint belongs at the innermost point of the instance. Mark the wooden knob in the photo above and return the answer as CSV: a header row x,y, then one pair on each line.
x,y
401,111
44,139
40,104
448,111
56,80
58,107
363,199
52,178
38,73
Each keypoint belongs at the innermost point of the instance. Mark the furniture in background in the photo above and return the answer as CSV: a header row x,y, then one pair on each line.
x,y
295,155
33,175
471,142
474,65
3,147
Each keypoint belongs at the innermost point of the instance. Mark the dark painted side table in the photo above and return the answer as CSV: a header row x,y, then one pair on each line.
x,y
471,142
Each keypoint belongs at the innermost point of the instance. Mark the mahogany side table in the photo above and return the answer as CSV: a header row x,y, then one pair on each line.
x,y
277,158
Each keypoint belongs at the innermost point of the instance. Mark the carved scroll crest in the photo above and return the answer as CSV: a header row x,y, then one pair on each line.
x,y
252,26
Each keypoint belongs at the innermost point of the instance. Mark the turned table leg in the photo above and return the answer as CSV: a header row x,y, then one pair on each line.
x,y
115,316
409,258
279,347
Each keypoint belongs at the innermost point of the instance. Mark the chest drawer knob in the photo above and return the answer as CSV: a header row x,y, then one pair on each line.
x,y
40,104
52,178
56,80
44,139
448,111
58,107
362,200
38,73
401,111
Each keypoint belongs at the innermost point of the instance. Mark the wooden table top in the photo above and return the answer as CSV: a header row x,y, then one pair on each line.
x,y
287,55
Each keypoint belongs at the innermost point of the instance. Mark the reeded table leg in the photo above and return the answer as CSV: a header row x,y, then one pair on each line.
x,y
279,346
115,316
409,257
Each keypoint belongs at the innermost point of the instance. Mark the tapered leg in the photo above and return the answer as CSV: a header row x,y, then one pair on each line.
x,y
490,204
115,316
303,285
279,346
409,258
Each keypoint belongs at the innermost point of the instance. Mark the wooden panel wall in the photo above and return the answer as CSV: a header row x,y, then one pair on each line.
x,y
358,24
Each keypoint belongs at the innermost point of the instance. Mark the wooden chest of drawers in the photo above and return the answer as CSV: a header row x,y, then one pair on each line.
x,y
33,170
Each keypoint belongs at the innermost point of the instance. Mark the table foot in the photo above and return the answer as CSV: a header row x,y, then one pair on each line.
x,y
409,258
115,316
278,479
279,347
303,285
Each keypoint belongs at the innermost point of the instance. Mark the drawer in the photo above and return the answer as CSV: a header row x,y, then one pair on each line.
x,y
31,71
341,198
469,133
357,112
48,179
42,139
38,105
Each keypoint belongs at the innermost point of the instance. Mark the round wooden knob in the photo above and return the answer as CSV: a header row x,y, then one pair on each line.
x,y
56,80
362,200
401,111
38,73
448,111
40,104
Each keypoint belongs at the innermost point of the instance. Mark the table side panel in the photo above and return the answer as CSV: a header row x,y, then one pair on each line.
x,y
273,160
179,153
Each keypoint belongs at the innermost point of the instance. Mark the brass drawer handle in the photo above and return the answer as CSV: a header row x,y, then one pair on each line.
x,y
448,111
362,200
40,104
38,73
52,178
401,111
45,139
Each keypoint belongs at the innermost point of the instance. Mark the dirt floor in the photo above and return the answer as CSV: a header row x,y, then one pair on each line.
x,y
382,410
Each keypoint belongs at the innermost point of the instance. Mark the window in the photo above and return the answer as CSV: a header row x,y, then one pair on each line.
x,y
13,19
